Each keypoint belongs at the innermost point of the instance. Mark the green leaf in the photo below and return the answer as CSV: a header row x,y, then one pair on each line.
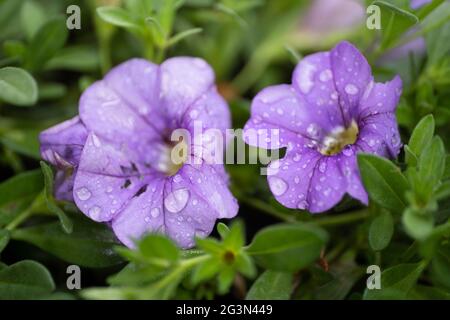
x,y
383,181
182,35
440,266
394,22
23,141
25,280
396,282
47,41
287,247
158,247
234,240
4,239
90,244
225,279
436,18
32,17
20,186
418,224
8,10
52,91
223,230
438,44
66,223
410,157
17,87
446,174
80,58
271,285
381,231
206,270
118,17
421,136
432,164
429,246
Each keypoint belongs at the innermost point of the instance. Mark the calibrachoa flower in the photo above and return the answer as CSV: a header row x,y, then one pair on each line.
x,y
332,110
114,159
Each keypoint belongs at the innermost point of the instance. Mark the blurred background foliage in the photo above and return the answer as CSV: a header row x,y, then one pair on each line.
x,y
251,44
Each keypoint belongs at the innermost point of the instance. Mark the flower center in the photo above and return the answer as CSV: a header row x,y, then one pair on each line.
x,y
339,138
172,156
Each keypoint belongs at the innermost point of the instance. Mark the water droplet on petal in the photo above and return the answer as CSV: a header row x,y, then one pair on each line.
x,y
96,141
325,75
277,185
347,151
351,89
322,167
193,114
302,205
95,212
83,194
177,200
155,212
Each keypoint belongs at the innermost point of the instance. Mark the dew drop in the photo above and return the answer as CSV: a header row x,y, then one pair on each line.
x,y
83,194
96,141
325,75
155,212
351,89
95,212
193,114
177,200
322,167
277,185
348,152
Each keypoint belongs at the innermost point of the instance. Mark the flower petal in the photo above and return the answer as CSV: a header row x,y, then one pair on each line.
x,y
379,135
137,83
210,110
143,214
381,98
313,79
183,81
279,117
289,178
352,75
194,198
350,171
105,113
107,178
62,144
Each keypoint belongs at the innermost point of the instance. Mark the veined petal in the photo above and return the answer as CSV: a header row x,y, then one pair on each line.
x,y
350,171
144,213
107,178
379,134
137,83
279,117
106,114
183,81
381,98
313,79
352,75
62,144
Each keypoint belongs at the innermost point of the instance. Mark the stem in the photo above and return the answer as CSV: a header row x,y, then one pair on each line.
x,y
264,207
345,218
182,268
26,213
332,220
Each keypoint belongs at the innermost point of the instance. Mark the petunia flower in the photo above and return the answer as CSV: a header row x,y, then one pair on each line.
x,y
115,159
332,110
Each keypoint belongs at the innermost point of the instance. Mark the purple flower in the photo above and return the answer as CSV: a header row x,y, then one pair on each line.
x,y
332,110
416,4
114,160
